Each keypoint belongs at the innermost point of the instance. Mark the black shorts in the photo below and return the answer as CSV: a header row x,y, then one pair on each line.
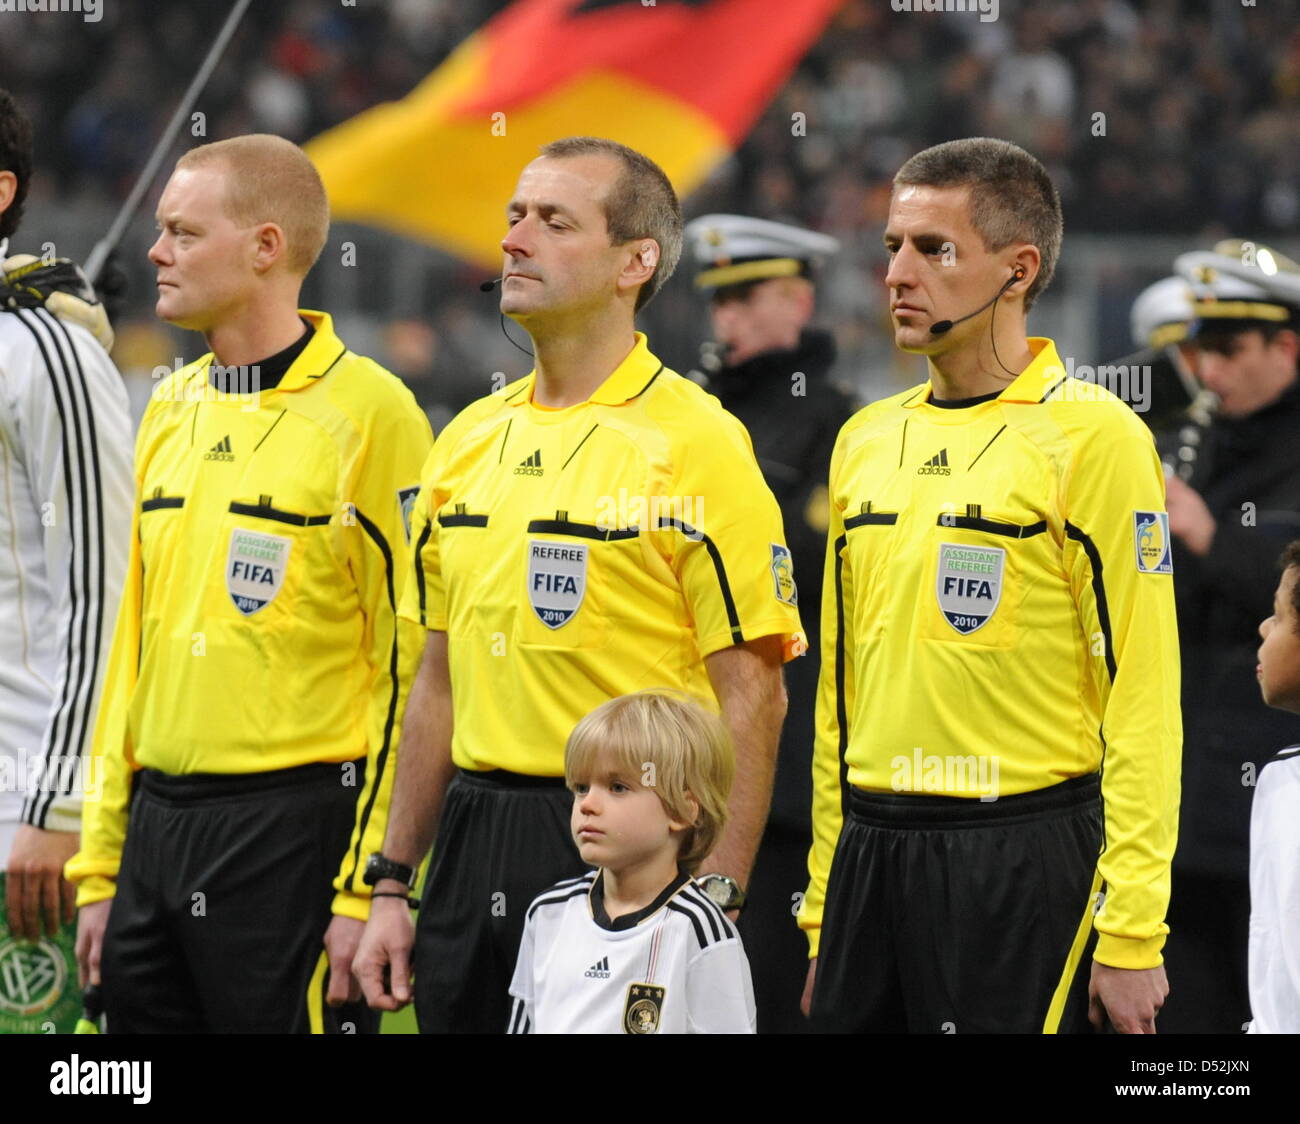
x,y
502,840
949,915
776,948
222,902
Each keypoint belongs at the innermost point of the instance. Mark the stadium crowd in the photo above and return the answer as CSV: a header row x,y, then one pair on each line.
x,y
1199,135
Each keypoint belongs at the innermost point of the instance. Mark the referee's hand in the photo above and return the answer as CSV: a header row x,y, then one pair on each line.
x,y
92,920
1129,997
341,941
383,961
805,1002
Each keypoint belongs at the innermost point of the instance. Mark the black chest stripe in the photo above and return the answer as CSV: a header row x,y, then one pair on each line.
x,y
992,526
264,510
419,571
580,530
841,704
154,503
869,518
268,432
579,446
1098,592
501,452
986,447
461,519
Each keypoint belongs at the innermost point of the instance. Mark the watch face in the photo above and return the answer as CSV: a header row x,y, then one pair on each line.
x,y
718,891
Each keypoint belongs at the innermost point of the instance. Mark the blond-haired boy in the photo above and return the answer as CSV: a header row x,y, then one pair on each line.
x,y
635,946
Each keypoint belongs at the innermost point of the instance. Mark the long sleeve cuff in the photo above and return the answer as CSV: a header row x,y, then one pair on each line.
x,y
814,941
1128,952
356,906
95,888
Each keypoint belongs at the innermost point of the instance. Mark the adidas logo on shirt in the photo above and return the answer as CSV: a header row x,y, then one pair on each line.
x,y
937,465
599,970
530,466
220,451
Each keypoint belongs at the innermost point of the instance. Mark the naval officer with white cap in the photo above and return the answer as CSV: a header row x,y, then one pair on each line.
x,y
772,370
1230,522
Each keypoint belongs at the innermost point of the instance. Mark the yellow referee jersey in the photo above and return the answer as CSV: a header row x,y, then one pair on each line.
x,y
577,554
258,626
998,617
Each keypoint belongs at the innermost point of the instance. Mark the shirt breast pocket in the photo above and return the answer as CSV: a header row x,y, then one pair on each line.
x,y
975,577
566,574
869,541
161,537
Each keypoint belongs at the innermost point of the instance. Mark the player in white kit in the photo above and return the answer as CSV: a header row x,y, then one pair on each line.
x,y
1274,959
65,520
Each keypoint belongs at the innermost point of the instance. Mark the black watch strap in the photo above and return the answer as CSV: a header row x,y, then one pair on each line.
x,y
379,868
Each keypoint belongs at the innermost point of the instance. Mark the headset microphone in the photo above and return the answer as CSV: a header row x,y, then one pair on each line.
x,y
487,287
939,327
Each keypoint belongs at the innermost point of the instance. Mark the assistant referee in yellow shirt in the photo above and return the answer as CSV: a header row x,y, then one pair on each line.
x,y
595,528
250,712
997,754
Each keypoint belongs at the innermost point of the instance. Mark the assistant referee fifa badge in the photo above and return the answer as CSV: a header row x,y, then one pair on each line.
x,y
643,1008
255,568
969,584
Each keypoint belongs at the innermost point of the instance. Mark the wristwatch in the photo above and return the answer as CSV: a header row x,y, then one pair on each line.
x,y
723,890
378,867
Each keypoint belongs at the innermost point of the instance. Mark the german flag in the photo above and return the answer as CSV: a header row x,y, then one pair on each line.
x,y
680,80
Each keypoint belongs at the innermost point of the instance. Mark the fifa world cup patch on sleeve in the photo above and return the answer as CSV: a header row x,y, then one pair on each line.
x,y
406,501
969,584
642,1011
255,568
1151,542
557,580
783,574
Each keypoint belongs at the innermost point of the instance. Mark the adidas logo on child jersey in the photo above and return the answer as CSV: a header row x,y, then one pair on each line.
x,y
220,451
599,970
530,466
937,465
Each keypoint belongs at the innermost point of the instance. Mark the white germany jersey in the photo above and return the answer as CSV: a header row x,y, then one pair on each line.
x,y
65,527
1274,957
674,967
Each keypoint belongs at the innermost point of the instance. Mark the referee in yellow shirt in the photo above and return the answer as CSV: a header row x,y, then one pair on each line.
x,y
253,696
998,734
597,527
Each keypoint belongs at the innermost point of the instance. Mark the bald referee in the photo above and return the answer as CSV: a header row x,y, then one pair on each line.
x,y
258,669
998,732
595,528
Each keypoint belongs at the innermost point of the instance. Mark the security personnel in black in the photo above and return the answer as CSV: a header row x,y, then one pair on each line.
x,y
773,372
1230,520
